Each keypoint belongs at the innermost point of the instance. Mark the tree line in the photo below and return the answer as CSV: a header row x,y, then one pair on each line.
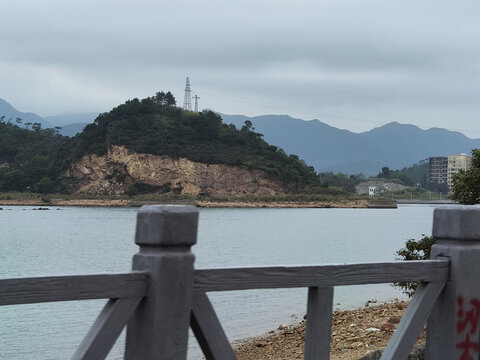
x,y
30,159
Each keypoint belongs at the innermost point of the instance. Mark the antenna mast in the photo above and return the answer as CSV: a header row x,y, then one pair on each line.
x,y
196,97
187,101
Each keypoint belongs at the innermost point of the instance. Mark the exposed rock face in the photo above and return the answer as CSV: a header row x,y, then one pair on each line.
x,y
120,168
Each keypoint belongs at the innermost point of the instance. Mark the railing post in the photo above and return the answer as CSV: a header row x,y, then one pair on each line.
x,y
159,327
453,327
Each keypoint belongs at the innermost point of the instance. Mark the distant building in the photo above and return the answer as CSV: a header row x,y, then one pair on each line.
x,y
441,170
455,164
437,173
376,187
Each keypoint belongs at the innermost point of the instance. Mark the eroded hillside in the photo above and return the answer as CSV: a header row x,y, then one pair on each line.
x,y
120,169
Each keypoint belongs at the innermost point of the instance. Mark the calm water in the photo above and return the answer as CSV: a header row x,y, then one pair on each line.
x,y
92,240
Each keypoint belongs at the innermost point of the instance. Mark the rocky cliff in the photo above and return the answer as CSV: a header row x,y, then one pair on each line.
x,y
120,169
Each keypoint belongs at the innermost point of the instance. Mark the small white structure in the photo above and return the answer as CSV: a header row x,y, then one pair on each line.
x,y
376,187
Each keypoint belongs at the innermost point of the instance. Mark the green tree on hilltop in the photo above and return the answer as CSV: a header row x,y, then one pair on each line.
x,y
466,184
385,173
162,98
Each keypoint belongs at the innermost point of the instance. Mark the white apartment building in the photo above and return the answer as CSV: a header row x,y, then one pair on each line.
x,y
455,164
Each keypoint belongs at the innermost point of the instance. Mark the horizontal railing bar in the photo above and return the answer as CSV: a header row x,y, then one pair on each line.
x,y
72,287
326,275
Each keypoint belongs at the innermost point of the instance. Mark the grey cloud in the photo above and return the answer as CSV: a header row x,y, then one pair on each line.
x,y
347,56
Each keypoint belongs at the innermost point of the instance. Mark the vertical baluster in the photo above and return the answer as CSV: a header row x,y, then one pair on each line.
x,y
159,327
319,323
209,332
453,328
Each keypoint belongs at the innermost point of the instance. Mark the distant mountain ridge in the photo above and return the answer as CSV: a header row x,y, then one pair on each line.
x,y
69,119
71,124
322,146
330,149
10,112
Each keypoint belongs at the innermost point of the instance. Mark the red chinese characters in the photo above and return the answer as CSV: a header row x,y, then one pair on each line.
x,y
467,325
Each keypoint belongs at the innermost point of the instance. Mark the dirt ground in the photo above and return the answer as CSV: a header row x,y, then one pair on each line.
x,y
355,333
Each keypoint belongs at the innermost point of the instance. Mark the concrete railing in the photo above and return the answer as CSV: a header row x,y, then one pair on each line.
x,y
164,295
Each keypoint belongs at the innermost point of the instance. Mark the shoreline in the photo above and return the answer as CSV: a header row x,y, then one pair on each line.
x,y
63,202
355,333
351,204
337,204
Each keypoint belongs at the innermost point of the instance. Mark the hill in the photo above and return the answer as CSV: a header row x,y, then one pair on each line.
x,y
140,146
151,127
330,149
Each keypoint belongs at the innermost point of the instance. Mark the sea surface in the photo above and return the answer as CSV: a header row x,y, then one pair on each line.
x,y
77,240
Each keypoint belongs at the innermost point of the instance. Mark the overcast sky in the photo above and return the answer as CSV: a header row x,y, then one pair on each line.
x,y
353,64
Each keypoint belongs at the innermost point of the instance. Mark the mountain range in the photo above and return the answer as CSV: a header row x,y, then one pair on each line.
x,y
331,149
10,112
71,124
320,145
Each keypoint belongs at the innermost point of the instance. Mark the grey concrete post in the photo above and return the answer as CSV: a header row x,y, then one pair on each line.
x,y
453,327
159,327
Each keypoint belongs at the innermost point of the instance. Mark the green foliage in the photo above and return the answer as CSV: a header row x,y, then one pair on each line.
x,y
44,186
385,173
466,184
164,99
140,188
411,176
15,180
346,182
28,156
414,250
